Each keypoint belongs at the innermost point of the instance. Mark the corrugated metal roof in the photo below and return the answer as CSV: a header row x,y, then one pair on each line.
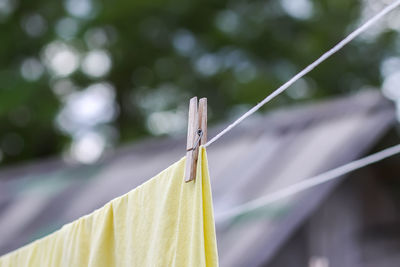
x,y
260,156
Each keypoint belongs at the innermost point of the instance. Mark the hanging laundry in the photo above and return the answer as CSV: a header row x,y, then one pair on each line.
x,y
163,222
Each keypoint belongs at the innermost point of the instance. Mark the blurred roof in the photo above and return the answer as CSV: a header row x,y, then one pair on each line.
x,y
262,155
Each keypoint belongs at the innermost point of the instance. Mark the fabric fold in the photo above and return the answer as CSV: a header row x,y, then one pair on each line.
x,y
163,222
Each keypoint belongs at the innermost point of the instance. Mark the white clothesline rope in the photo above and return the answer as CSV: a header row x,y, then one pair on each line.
x,y
310,67
306,184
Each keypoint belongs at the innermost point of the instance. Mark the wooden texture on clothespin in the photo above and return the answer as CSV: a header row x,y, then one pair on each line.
x,y
203,120
196,136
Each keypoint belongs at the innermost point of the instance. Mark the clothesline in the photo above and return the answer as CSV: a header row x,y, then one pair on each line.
x,y
309,68
324,177
307,184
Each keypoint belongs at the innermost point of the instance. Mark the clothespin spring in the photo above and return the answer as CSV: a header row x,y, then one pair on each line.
x,y
196,144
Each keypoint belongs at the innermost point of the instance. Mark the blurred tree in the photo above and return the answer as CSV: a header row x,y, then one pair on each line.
x,y
79,76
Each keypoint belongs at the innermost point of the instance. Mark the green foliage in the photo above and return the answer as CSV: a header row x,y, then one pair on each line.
x,y
163,52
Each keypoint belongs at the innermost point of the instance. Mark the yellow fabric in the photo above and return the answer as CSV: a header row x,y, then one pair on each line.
x,y
163,222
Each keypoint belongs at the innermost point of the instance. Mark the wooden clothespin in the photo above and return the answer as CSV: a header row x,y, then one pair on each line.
x,y
196,136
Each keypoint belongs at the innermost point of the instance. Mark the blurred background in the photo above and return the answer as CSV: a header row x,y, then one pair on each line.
x,y
80,77
87,85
